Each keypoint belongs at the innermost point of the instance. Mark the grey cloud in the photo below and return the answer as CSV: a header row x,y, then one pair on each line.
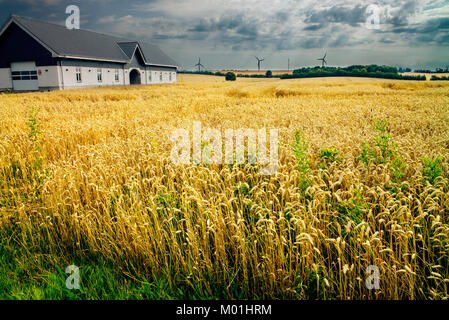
x,y
336,14
266,27
224,23
400,15
386,41
432,25
313,27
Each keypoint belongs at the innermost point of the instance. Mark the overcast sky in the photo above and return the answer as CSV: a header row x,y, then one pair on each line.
x,y
228,33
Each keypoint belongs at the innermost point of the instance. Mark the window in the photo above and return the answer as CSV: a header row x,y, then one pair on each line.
x,y
160,76
24,75
169,76
149,76
99,75
116,75
78,75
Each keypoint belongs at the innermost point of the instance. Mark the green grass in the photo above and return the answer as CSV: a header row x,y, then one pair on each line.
x,y
30,274
38,276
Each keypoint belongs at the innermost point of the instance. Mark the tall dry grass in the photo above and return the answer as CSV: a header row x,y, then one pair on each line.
x,y
95,179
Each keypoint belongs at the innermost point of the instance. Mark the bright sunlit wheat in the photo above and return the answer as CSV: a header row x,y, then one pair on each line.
x,y
88,172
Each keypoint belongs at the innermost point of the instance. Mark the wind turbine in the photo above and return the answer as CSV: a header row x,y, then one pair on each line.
x,y
323,59
259,61
199,65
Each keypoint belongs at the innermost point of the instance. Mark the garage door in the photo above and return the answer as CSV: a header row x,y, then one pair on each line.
x,y
24,76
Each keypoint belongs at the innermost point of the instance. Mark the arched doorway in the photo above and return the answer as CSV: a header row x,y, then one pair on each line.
x,y
134,77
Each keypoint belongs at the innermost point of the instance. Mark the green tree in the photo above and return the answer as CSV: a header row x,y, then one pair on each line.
x,y
230,76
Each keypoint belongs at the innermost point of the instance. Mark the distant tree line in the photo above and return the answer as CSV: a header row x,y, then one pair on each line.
x,y
266,75
368,71
438,70
207,73
442,78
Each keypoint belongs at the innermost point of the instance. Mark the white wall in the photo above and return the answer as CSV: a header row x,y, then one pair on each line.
x,y
89,77
67,76
5,79
48,77
155,76
64,77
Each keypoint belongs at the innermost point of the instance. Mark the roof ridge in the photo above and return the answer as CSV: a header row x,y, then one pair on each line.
x,y
44,30
125,40
77,30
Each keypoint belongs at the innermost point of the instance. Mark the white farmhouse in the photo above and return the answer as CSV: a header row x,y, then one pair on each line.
x,y
36,55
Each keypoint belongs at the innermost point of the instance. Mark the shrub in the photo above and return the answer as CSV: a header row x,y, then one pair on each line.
x,y
432,169
300,149
398,169
383,149
383,140
230,76
329,155
367,154
268,74
442,78
34,126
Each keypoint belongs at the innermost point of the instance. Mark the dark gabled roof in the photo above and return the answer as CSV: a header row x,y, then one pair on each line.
x,y
89,45
128,48
156,55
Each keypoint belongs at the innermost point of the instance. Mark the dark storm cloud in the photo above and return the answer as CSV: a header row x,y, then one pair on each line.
x,y
444,23
403,12
168,36
313,27
228,29
239,26
238,23
347,15
313,42
202,26
434,31
386,41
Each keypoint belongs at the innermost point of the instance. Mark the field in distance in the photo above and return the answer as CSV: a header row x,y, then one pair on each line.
x,y
250,72
86,179
428,75
280,72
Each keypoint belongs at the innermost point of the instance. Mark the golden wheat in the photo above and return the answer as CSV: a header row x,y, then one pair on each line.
x,y
106,185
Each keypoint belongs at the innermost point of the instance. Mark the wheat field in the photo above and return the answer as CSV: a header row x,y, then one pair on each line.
x,y
86,179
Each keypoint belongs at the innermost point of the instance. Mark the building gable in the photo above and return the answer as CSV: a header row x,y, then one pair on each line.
x,y
128,48
137,60
17,45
